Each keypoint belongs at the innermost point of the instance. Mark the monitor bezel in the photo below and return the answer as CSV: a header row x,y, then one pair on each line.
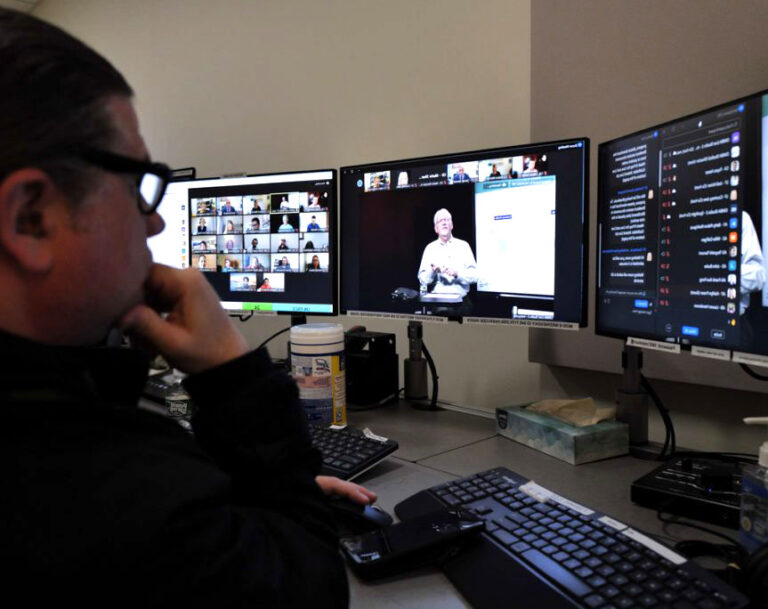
x,y
600,194
585,249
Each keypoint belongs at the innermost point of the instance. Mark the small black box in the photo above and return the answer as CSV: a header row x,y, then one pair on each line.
x,y
371,368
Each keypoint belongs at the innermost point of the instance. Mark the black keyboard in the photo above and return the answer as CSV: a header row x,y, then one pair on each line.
x,y
348,452
541,551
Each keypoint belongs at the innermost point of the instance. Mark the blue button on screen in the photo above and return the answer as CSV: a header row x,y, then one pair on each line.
x,y
641,304
690,330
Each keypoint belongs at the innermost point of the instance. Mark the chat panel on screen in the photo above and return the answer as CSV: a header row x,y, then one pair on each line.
x,y
681,222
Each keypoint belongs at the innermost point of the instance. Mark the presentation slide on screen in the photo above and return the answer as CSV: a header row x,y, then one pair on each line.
x,y
765,190
515,236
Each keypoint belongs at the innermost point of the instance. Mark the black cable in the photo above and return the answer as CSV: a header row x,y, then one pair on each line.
x,y
669,436
275,335
753,374
433,371
242,318
670,441
672,519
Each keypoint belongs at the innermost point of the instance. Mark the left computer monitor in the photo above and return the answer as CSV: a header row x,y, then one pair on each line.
x,y
265,242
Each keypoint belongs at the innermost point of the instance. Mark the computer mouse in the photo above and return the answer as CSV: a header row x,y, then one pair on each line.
x,y
354,518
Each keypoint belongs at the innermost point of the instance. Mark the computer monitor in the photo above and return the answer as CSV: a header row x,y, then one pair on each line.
x,y
488,235
266,242
681,231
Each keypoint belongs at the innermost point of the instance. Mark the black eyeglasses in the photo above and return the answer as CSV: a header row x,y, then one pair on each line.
x,y
151,178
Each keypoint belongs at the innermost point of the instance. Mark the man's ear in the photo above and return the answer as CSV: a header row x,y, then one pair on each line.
x,y
30,206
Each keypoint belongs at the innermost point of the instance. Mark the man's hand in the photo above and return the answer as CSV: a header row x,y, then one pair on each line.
x,y
350,490
196,334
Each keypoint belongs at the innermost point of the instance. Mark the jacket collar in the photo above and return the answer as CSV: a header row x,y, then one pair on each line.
x,y
33,371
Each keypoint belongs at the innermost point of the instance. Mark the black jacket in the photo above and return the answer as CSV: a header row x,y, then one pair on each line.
x,y
107,505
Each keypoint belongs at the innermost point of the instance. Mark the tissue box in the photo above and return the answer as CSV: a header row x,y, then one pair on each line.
x,y
561,440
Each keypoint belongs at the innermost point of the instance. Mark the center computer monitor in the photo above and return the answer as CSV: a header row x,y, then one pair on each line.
x,y
490,234
266,242
682,225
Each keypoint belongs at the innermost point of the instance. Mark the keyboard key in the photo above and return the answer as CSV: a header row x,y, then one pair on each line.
x,y
633,590
607,571
563,577
596,581
618,579
561,556
652,585
581,554
667,596
594,600
610,591
506,538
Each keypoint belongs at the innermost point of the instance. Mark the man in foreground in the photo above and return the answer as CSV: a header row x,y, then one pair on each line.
x,y
104,504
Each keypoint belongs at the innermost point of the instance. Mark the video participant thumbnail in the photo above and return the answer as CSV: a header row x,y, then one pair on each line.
x,y
228,206
204,244
284,242
204,262
204,226
284,201
316,201
285,263
289,223
229,244
256,262
254,204
203,207
272,282
377,180
258,223
254,224
243,282
313,242
313,222
315,263
229,262
257,244
463,172
230,225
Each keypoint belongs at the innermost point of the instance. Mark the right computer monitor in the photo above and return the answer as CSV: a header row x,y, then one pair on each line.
x,y
489,234
682,220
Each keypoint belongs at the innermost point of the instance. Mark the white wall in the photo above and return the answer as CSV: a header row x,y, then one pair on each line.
x,y
256,86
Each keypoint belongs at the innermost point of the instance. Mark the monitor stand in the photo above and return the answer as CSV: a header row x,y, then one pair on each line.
x,y
632,404
415,367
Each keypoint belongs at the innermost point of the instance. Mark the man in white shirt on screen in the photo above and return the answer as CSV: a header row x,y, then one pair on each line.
x,y
448,263
753,270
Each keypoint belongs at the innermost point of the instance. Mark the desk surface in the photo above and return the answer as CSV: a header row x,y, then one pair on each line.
x,y
444,445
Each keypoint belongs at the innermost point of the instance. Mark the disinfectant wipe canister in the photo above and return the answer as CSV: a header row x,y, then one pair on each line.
x,y
317,361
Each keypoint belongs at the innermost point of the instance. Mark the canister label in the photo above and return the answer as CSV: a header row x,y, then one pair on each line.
x,y
322,386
